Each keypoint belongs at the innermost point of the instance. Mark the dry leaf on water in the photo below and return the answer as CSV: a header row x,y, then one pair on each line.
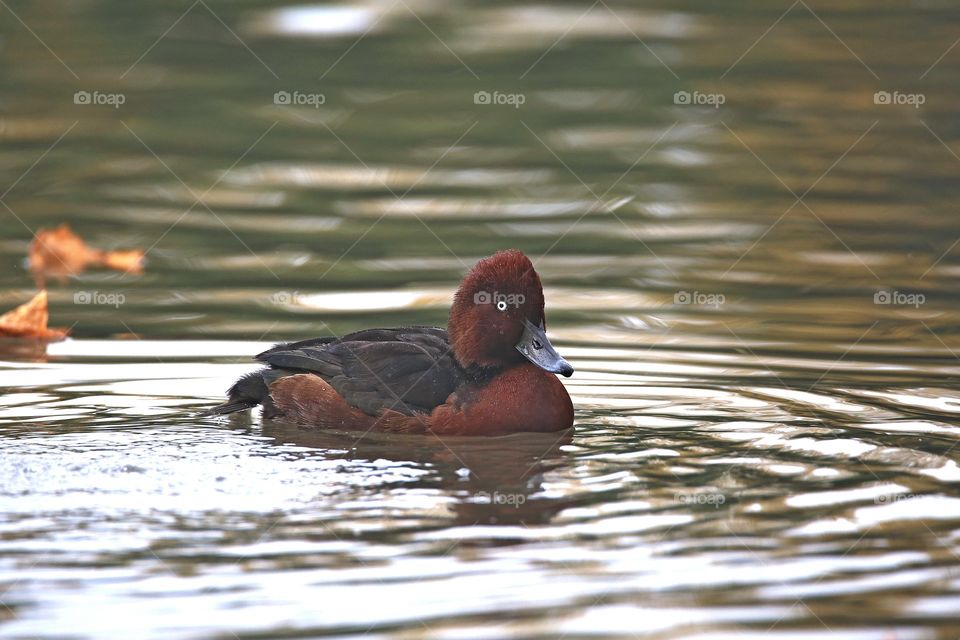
x,y
61,252
29,320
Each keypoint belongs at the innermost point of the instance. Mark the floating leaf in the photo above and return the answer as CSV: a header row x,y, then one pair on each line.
x,y
61,252
29,320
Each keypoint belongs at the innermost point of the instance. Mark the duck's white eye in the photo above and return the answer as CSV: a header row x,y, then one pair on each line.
x,y
501,305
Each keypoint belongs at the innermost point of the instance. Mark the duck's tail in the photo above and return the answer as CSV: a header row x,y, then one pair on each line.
x,y
246,393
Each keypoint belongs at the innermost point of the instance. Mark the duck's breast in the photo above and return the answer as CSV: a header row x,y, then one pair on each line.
x,y
522,398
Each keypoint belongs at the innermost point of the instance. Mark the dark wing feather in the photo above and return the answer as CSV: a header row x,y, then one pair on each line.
x,y
289,346
407,370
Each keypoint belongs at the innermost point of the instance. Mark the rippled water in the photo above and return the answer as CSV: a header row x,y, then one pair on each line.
x,y
759,298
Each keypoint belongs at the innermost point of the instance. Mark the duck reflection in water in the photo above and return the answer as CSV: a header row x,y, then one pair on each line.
x,y
494,480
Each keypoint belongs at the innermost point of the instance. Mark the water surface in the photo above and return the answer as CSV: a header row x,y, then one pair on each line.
x,y
749,257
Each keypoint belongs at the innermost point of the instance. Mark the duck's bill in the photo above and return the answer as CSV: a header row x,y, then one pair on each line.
x,y
538,350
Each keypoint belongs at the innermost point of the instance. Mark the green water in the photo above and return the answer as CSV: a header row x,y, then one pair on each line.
x,y
750,257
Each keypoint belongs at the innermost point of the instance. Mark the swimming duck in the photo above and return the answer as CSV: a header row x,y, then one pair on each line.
x,y
490,372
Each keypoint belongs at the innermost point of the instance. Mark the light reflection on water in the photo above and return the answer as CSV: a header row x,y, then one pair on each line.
x,y
763,447
671,486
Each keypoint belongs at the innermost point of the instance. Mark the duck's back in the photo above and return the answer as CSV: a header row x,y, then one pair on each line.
x,y
408,370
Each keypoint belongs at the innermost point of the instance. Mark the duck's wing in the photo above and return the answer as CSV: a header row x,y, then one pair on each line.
x,y
408,369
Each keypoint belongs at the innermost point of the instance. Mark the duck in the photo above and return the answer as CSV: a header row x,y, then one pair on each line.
x,y
492,371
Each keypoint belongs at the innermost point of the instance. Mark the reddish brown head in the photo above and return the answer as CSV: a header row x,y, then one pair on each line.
x,y
497,316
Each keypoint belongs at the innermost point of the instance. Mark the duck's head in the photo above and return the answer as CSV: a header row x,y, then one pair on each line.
x,y
497,316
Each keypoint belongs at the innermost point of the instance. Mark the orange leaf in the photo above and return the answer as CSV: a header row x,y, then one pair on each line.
x,y
29,320
61,252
